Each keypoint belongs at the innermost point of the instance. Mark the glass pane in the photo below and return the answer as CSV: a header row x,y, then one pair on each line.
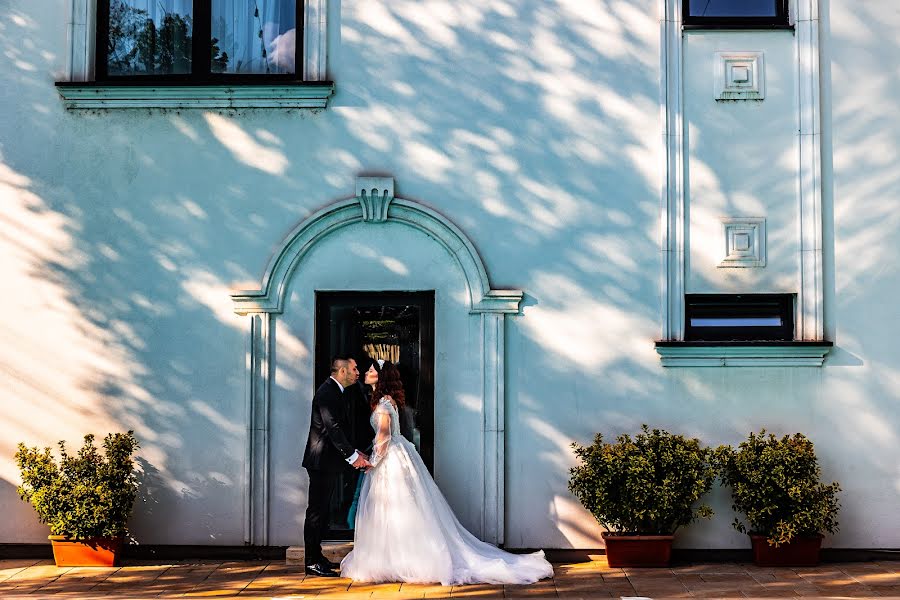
x,y
737,322
356,325
149,37
253,36
733,8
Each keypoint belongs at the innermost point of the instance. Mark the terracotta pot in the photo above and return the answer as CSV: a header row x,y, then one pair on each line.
x,y
801,552
638,550
90,552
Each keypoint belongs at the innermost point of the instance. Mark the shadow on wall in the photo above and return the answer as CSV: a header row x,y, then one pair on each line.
x,y
534,127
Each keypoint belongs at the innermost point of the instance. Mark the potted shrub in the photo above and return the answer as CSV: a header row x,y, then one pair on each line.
x,y
775,484
642,490
85,499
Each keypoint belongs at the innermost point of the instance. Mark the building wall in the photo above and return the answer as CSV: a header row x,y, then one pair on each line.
x,y
533,126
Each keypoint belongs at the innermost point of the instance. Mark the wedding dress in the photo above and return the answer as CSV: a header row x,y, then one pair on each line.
x,y
406,531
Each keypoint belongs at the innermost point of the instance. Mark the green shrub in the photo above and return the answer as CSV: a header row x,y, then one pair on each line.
x,y
775,483
646,485
81,496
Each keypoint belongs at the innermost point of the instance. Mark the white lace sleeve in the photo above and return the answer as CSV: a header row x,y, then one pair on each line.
x,y
382,424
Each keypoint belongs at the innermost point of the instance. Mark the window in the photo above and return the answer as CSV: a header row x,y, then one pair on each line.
x,y
739,317
736,13
199,41
208,54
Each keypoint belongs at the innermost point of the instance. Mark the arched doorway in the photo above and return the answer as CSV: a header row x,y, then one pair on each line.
x,y
376,242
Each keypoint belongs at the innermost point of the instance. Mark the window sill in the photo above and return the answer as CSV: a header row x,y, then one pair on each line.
x,y
743,354
285,95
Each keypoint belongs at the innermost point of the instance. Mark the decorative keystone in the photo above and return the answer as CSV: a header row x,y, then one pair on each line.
x,y
375,195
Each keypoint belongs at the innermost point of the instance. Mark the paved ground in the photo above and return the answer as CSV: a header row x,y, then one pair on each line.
x,y
265,579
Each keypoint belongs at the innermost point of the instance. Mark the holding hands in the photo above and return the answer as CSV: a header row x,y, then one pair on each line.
x,y
362,462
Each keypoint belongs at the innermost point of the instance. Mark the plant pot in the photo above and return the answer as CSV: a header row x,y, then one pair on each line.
x,y
801,552
90,552
638,550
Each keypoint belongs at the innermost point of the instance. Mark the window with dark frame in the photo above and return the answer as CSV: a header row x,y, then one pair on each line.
x,y
739,317
199,41
738,14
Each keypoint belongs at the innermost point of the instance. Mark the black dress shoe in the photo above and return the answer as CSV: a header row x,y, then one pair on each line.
x,y
331,565
320,570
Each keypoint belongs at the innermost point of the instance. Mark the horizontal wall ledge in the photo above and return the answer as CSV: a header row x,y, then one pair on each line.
x,y
283,95
743,354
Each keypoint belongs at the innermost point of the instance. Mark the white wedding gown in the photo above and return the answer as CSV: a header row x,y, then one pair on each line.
x,y
406,531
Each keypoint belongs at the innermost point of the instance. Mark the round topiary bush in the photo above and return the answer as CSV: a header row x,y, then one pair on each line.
x,y
647,485
776,484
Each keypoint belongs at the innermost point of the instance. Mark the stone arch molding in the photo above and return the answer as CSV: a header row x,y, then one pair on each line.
x,y
374,203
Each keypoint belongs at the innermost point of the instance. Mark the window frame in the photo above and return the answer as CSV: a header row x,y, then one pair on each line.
x,y
200,54
738,306
782,20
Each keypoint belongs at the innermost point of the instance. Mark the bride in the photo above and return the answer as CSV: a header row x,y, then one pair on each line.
x,y
405,530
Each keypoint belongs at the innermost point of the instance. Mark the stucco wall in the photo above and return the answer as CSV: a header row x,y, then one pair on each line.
x,y
535,127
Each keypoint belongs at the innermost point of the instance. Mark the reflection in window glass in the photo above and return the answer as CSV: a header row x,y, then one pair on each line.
x,y
733,8
253,36
149,37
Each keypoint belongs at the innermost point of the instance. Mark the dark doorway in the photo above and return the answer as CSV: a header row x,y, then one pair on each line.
x,y
395,326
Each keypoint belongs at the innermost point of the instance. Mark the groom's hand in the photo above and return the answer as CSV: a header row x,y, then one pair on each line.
x,y
361,462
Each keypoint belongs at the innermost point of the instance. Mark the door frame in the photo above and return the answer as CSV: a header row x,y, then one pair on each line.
x,y
424,300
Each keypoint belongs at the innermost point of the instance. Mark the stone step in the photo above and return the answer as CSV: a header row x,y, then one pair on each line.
x,y
333,551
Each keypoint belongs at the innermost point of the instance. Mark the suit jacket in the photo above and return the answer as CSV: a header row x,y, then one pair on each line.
x,y
327,447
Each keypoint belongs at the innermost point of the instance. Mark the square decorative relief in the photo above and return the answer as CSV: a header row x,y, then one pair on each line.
x,y
745,242
739,76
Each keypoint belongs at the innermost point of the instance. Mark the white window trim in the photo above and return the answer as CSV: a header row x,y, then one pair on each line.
x,y
810,322
81,47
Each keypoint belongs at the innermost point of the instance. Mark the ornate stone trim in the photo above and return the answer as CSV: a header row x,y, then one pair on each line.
x,y
93,96
375,202
375,195
494,426
256,464
672,197
744,242
270,296
686,354
810,296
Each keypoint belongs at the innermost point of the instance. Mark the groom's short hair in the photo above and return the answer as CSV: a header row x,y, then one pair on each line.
x,y
338,363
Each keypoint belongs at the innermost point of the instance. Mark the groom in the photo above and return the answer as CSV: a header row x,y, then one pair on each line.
x,y
327,454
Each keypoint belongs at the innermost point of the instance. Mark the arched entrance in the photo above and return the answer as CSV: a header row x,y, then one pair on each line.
x,y
317,256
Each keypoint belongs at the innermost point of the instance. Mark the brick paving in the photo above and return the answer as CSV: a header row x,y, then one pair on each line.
x,y
595,579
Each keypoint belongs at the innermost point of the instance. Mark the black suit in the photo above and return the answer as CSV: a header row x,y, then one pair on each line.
x,y
326,454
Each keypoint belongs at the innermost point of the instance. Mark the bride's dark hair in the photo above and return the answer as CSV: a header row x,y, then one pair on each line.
x,y
389,384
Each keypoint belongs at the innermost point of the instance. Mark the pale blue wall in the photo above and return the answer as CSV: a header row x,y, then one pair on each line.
x,y
536,129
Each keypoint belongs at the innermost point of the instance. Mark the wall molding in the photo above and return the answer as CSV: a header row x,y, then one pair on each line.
x,y
672,196
810,292
95,96
489,306
810,299
712,354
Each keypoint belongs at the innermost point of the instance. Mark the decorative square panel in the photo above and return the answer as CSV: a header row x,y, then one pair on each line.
x,y
745,242
739,76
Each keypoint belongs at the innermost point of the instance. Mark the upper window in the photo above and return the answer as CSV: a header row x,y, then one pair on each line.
x,y
736,13
199,41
